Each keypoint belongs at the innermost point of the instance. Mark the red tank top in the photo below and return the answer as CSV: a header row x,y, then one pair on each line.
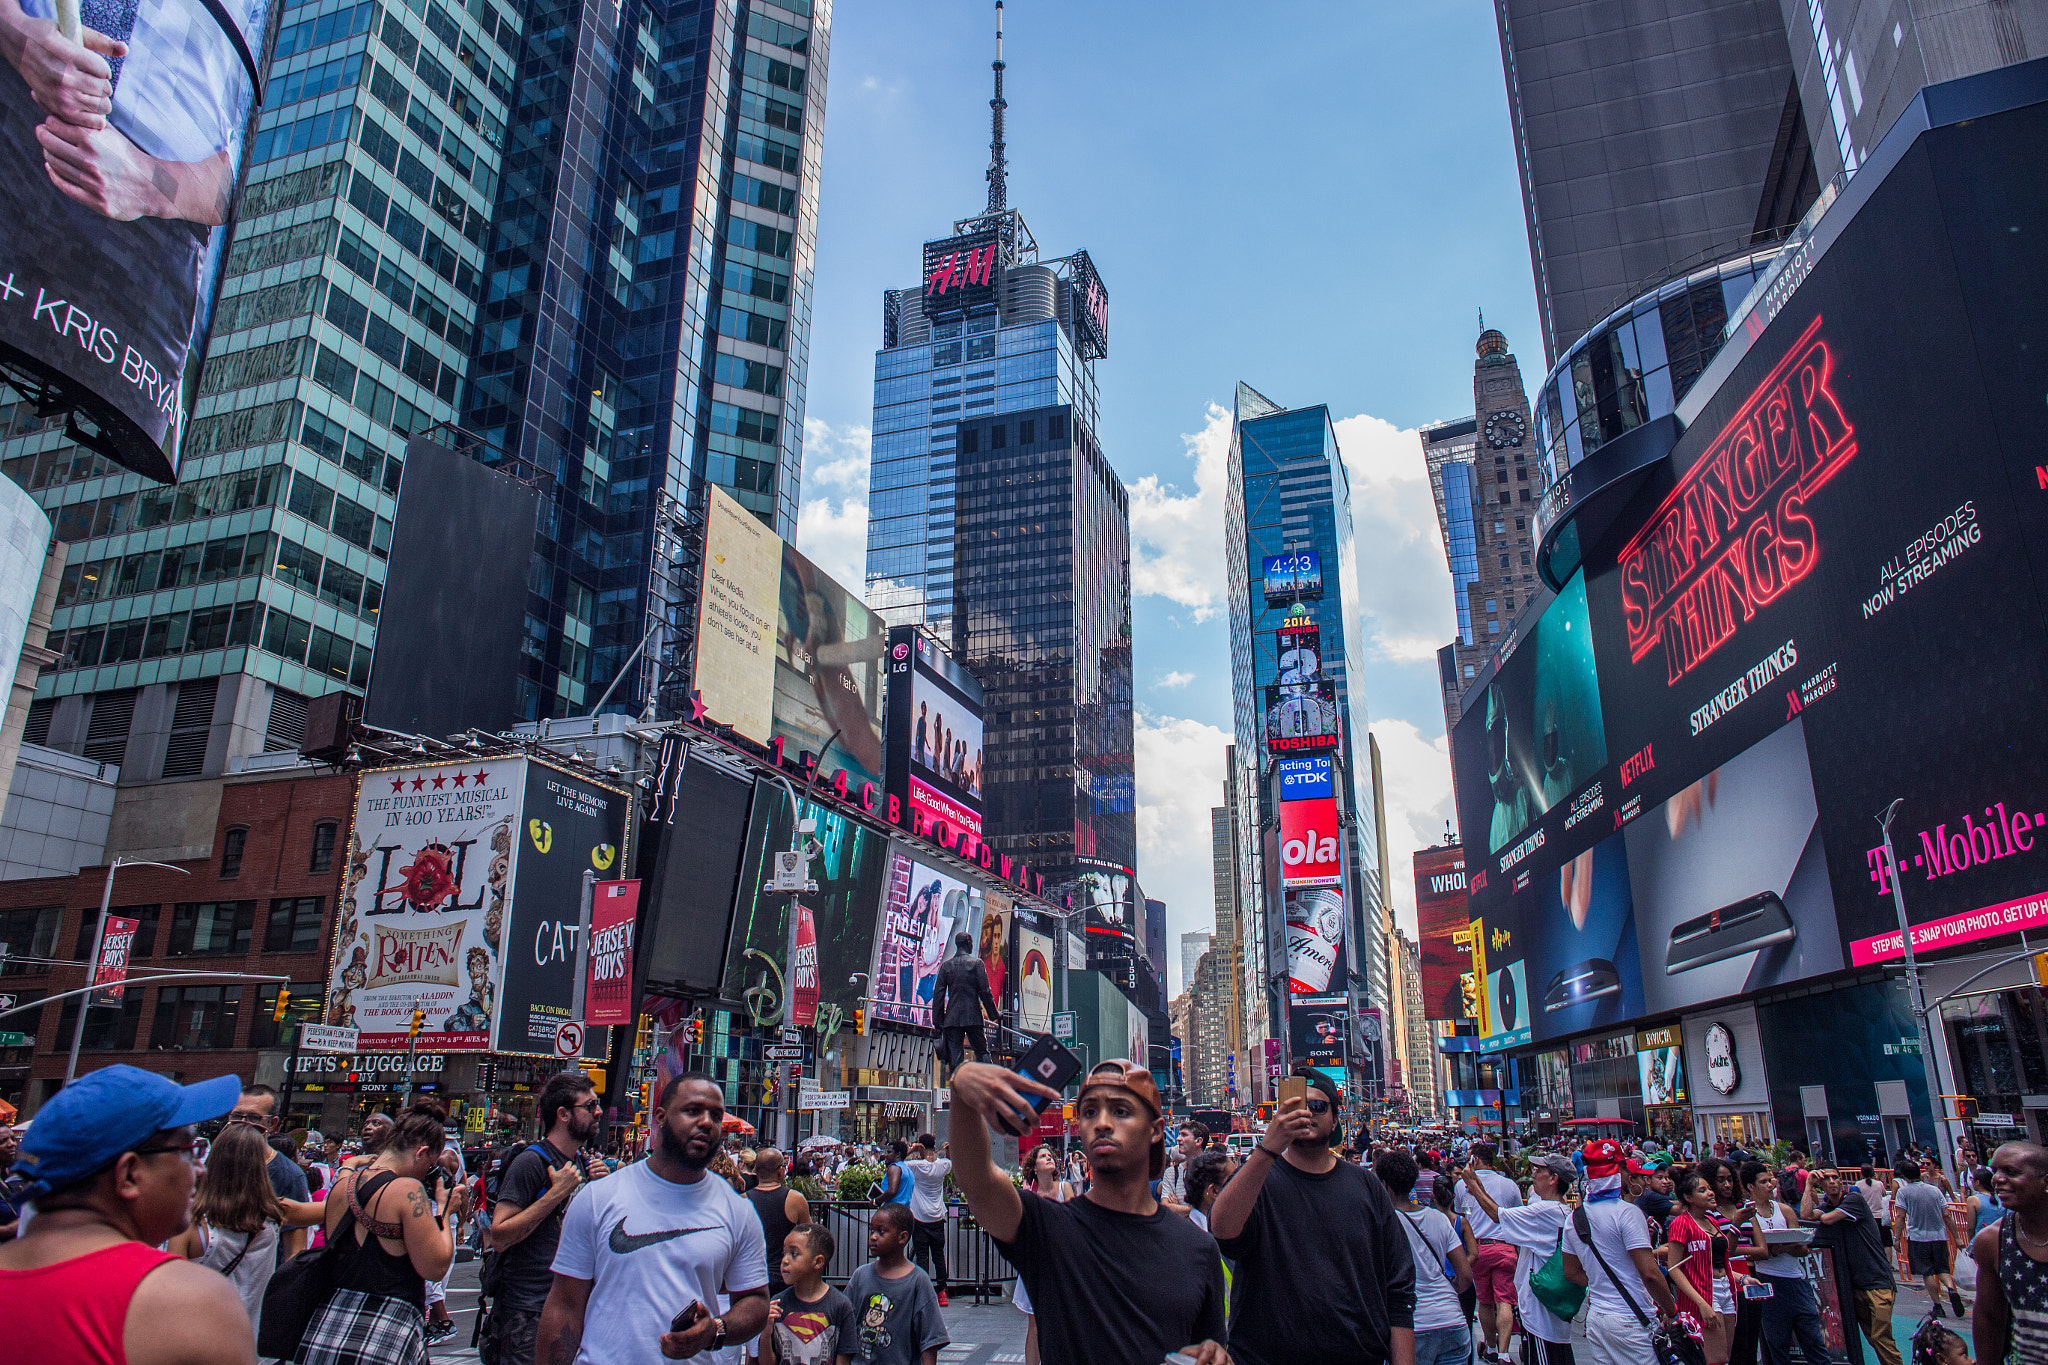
x,y
76,1312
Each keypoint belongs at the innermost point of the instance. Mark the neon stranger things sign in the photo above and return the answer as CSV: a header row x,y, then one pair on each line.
x,y
1734,534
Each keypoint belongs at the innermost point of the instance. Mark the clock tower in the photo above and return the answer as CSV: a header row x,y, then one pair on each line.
x,y
1496,481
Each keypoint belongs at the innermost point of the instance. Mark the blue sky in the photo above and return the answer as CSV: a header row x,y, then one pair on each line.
x,y
1313,198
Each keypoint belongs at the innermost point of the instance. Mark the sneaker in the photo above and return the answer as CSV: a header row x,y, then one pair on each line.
x,y
943,1303
1957,1300
1937,1310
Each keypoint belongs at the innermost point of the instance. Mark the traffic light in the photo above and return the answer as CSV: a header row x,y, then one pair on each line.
x,y
284,1002
860,1019
697,1032
419,1021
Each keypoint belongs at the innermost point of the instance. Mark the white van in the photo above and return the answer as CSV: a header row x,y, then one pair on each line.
x,y
1240,1145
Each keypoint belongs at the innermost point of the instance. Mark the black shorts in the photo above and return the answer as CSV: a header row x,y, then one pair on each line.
x,y
1927,1258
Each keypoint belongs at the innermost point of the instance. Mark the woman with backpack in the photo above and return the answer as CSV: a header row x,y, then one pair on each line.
x,y
390,1239
236,1218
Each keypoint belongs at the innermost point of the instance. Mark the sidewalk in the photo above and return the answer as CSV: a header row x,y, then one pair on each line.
x,y
987,1334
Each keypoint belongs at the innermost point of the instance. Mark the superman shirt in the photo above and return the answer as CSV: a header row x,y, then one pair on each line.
x,y
815,1332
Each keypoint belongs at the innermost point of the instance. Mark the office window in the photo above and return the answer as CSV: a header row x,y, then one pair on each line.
x,y
231,846
267,1032
323,847
294,925
145,931
29,933
206,928
191,1018
107,1029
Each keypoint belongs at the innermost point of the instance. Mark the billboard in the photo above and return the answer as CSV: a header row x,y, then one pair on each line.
x,y
934,732
120,178
607,996
1155,940
1315,937
1301,718
1309,843
922,910
1091,306
570,823
1827,598
1034,976
849,861
1301,778
992,946
785,655
1660,1065
1439,913
1107,890
1316,1032
1296,574
963,274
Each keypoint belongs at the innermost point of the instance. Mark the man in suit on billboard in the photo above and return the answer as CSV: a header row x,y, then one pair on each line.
x,y
959,1001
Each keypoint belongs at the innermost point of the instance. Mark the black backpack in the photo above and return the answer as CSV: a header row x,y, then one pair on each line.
x,y
491,1275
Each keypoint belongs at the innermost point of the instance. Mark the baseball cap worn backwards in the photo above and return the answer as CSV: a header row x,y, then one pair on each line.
x,y
1126,1077
104,1113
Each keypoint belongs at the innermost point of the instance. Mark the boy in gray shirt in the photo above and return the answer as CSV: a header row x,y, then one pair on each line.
x,y
895,1309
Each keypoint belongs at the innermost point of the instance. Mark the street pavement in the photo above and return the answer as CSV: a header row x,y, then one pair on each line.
x,y
983,1334
993,1333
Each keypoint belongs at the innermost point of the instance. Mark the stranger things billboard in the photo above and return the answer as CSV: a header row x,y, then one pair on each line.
x,y
1829,596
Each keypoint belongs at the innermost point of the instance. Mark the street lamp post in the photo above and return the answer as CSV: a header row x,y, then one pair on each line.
x,y
92,963
1913,994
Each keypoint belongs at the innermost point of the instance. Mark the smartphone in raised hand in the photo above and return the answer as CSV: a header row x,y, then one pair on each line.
x,y
1293,1088
1051,1065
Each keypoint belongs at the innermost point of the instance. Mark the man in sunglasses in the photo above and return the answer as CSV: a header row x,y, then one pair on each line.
x,y
1323,1270
526,1222
257,1108
1112,1275
112,1161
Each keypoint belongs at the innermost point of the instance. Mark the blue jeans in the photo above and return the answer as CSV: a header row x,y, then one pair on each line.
x,y
1443,1346
1791,1311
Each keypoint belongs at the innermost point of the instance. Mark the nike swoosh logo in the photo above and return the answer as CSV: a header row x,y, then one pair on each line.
x,y
625,1243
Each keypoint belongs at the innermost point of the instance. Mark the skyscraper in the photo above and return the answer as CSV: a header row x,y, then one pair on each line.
x,y
997,522
1487,483
646,319
1288,511
195,621
1192,946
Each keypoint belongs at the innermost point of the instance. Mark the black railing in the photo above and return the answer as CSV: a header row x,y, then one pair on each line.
x,y
973,1264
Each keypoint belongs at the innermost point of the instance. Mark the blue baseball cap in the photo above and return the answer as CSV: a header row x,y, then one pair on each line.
x,y
113,1110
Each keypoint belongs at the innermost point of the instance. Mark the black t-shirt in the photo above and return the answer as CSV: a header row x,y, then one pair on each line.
x,y
1323,1270
1857,1241
1110,1288
526,1272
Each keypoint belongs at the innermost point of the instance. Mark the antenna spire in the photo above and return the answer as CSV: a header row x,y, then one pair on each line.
x,y
998,164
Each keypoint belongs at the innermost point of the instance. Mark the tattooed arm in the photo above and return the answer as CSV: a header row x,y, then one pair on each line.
x,y
429,1242
561,1322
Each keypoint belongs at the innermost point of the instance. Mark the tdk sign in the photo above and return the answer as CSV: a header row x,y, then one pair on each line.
x,y
1302,778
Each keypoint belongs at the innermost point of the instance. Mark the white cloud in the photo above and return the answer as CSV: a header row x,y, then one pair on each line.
x,y
1177,537
1180,777
1417,795
1404,597
1175,679
832,517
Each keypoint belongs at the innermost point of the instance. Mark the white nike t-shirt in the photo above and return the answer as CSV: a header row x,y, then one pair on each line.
x,y
649,1246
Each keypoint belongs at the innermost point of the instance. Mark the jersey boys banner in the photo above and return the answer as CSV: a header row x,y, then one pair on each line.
x,y
117,942
1827,600
607,998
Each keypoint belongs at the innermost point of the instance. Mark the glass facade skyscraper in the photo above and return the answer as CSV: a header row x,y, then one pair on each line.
x,y
1288,493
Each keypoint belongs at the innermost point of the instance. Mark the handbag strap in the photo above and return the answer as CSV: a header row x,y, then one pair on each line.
x,y
1583,1226
228,1271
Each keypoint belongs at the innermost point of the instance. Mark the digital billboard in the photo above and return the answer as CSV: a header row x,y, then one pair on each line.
x,y
1660,1065
1315,938
1298,573
992,946
119,172
1302,718
1439,913
963,274
1112,919
1826,599
921,911
934,733
1091,306
1316,1032
1309,843
849,862
784,652
1034,975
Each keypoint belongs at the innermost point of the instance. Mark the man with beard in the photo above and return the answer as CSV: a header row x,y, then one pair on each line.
x,y
1323,1270
526,1221
1112,1276
645,1256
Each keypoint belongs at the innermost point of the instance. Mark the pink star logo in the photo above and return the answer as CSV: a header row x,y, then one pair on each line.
x,y
696,708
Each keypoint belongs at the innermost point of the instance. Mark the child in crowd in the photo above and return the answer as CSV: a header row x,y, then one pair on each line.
x,y
809,1323
896,1310
1935,1344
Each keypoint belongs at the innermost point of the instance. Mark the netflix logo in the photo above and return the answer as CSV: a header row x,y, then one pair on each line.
x,y
1734,534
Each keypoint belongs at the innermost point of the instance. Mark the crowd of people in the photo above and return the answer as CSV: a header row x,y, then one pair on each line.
x,y
126,1235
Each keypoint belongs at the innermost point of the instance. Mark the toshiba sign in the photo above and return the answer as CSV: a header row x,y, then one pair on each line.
x,y
1308,844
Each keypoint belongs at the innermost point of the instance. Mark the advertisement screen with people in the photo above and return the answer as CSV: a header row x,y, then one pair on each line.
x,y
921,911
124,133
935,716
